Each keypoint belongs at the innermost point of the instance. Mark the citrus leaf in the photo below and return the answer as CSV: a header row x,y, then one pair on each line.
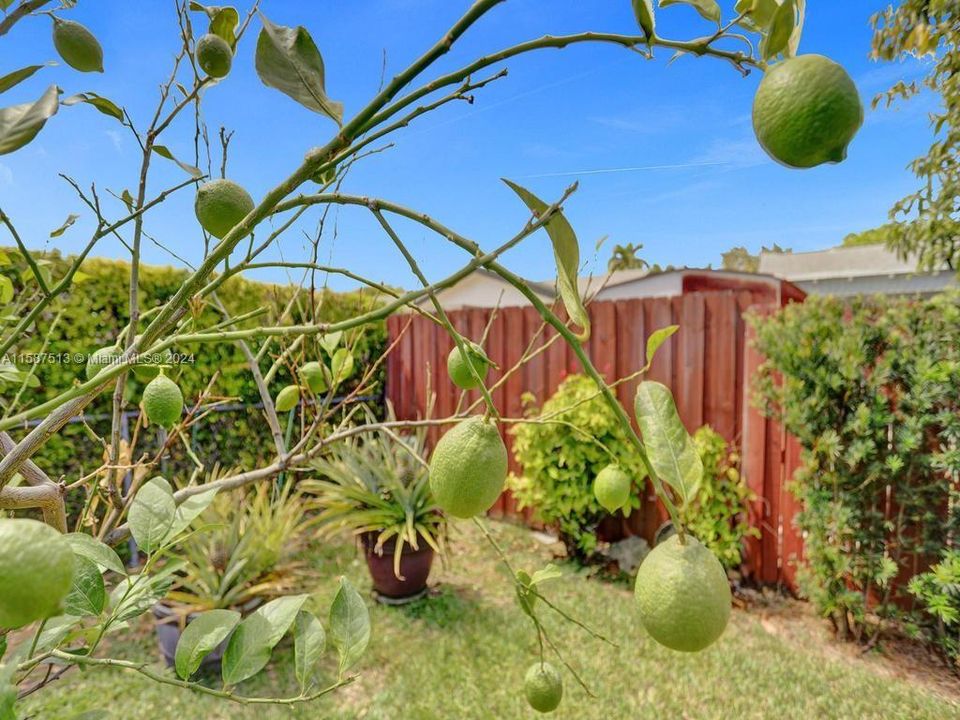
x,y
71,219
89,547
152,514
16,77
88,595
669,446
309,642
708,9
54,631
566,252
550,572
349,625
189,509
656,339
107,107
797,33
643,9
342,366
287,59
253,640
19,124
127,200
224,23
781,28
6,290
759,12
136,594
200,637
163,151
331,341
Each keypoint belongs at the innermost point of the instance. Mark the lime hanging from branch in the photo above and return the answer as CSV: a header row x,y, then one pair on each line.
x,y
612,488
77,46
543,687
214,55
468,468
458,366
36,572
163,401
683,595
220,205
806,112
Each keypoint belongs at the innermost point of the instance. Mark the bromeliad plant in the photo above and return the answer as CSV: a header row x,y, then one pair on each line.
x,y
378,486
806,116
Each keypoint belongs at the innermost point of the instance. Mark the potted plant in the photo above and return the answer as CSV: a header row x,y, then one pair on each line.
x,y
376,487
246,550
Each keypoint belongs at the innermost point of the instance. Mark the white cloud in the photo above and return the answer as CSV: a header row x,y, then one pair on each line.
x,y
116,139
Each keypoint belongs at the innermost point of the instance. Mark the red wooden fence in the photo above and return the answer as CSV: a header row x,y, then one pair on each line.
x,y
708,364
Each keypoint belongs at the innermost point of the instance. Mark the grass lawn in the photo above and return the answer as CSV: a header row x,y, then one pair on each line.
x,y
461,654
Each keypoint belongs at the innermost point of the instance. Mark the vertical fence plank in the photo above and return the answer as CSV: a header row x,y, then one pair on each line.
x,y
720,366
753,453
688,364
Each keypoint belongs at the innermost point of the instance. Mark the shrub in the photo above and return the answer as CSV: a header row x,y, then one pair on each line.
x,y
717,515
939,591
871,388
559,463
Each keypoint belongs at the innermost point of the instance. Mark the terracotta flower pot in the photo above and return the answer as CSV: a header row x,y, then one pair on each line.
x,y
414,567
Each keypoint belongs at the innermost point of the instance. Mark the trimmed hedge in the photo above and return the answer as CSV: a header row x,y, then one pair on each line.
x,y
96,308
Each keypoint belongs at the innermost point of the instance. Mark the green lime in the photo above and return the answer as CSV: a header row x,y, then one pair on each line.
x,y
312,374
683,595
220,205
287,398
612,488
468,468
163,401
36,572
459,371
77,46
99,359
543,687
806,111
214,55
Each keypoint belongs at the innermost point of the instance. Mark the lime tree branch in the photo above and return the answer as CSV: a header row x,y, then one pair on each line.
x,y
147,671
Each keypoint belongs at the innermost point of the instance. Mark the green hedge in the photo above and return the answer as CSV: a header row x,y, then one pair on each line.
x,y
871,388
96,307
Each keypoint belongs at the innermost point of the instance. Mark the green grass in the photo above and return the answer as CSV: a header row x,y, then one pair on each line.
x,y
462,653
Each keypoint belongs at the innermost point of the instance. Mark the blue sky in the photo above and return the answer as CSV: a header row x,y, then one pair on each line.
x,y
558,115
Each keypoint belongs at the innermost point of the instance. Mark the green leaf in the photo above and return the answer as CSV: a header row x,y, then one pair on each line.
x,y
88,595
200,637
136,594
8,698
152,514
71,219
670,448
89,547
656,339
253,641
19,124
224,23
287,59
18,76
128,200
104,105
163,151
342,366
189,510
6,290
349,625
708,9
781,28
550,572
760,12
309,642
331,341
566,252
643,9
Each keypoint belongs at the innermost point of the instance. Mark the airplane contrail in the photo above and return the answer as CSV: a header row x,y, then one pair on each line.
x,y
638,168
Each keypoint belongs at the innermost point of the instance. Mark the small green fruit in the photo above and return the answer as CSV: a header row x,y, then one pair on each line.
x,y
220,205
468,468
543,687
312,374
99,359
36,572
459,371
683,595
214,55
806,112
287,398
612,488
77,46
163,401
